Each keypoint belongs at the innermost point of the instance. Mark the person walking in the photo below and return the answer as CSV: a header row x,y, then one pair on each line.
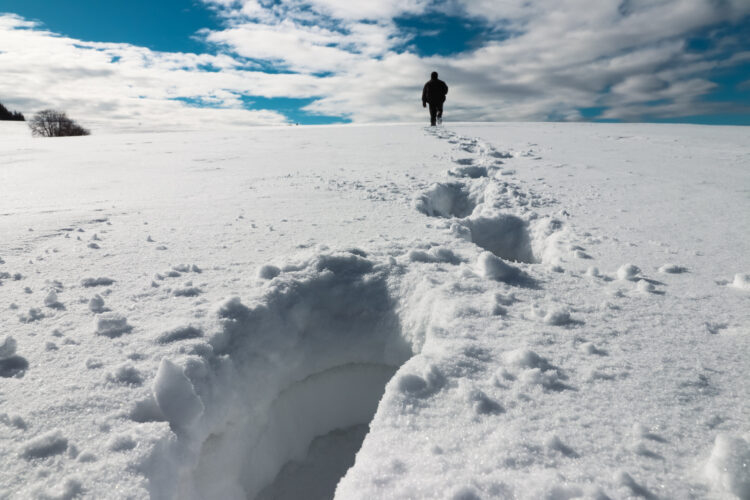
x,y
433,94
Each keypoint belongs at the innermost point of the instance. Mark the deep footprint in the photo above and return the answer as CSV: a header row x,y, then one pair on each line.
x,y
446,200
506,236
303,370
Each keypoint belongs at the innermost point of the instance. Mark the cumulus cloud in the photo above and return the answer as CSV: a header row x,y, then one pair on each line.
x,y
127,87
303,48
535,60
345,10
555,56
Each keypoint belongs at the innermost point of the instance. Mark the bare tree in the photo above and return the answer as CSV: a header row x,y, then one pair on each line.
x,y
51,123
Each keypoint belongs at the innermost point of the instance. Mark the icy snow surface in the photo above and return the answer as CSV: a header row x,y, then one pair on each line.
x,y
477,311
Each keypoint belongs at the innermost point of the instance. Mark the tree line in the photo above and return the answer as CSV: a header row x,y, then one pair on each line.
x,y
6,114
47,123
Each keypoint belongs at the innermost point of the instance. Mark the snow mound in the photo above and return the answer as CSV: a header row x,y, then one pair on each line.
x,y
68,489
179,333
593,272
187,290
741,281
434,255
728,467
492,267
644,286
187,268
46,445
8,347
52,301
527,369
111,325
524,358
414,386
96,304
281,378
121,442
11,365
553,315
126,374
628,272
268,272
92,282
175,395
34,314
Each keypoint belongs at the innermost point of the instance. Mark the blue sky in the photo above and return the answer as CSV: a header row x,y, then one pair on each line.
x,y
269,62
165,25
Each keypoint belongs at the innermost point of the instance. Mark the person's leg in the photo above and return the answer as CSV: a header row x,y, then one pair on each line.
x,y
433,113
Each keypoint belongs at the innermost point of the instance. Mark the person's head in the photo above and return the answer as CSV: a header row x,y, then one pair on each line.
x,y
434,75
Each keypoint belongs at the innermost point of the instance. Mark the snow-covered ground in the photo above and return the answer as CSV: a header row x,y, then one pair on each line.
x,y
476,311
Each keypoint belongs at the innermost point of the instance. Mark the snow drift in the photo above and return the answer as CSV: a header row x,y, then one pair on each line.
x,y
309,359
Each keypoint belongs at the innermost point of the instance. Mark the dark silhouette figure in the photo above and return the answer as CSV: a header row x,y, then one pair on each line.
x,y
434,93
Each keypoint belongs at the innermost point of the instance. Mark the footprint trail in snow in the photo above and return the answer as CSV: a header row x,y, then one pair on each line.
x,y
464,337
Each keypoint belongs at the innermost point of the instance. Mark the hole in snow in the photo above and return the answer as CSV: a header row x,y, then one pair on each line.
x,y
470,171
306,442
333,408
316,477
446,200
506,236
293,383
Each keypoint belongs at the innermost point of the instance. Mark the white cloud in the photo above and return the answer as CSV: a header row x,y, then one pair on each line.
x,y
138,90
559,56
289,46
345,10
373,10
320,37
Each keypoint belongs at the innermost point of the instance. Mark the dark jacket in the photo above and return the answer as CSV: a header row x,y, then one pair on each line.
x,y
434,91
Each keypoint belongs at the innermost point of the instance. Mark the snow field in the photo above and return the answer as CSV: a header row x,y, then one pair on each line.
x,y
491,345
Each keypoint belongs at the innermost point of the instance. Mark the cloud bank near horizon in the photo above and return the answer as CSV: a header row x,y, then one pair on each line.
x,y
536,60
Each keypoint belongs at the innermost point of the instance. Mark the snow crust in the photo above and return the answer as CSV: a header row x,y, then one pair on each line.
x,y
478,311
